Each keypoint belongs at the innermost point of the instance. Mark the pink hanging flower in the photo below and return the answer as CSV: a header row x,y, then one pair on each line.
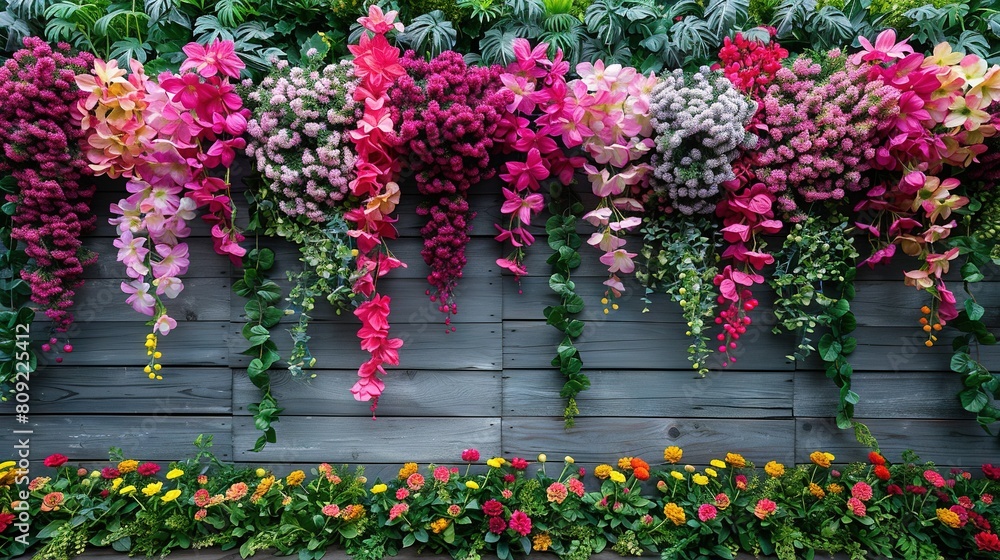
x,y
218,57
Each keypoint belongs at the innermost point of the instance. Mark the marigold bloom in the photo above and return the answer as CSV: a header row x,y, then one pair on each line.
x,y
674,513
295,478
171,495
834,488
638,463
262,488
440,524
352,512
876,458
764,508
541,542
717,464
625,463
817,491
617,477
736,460
821,459
673,454
774,469
641,473
407,470
127,466
949,518
603,471
882,472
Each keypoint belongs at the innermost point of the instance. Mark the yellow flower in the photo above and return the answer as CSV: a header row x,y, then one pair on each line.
x,y
625,463
153,488
472,484
674,513
379,488
816,490
711,472
295,478
717,464
261,473
834,488
116,483
542,458
174,473
699,479
541,542
407,470
774,469
171,495
821,459
949,518
7,464
603,471
568,459
95,474
127,490
736,460
440,524
127,466
677,474
673,454
617,477
495,462
689,468
262,488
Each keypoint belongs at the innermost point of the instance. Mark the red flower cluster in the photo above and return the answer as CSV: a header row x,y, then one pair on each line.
x,y
40,134
750,64
448,115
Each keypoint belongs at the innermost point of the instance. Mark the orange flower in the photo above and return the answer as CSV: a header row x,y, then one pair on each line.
x,y
735,460
52,501
407,470
603,471
673,454
949,518
816,490
821,458
674,513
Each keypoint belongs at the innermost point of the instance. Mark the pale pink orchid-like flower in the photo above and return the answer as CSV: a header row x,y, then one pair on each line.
x,y
966,112
218,57
380,23
938,263
173,260
169,286
164,324
139,297
619,260
605,241
598,217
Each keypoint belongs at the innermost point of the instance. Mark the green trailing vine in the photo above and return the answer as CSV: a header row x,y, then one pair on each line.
x,y
261,314
16,355
679,260
814,280
565,242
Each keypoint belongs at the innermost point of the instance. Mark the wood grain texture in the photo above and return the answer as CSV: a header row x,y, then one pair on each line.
x,y
473,346
607,345
117,343
427,392
884,395
477,298
352,440
891,304
604,439
156,436
202,299
947,443
127,390
630,393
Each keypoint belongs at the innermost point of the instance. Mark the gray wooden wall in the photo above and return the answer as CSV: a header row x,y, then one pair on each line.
x,y
488,385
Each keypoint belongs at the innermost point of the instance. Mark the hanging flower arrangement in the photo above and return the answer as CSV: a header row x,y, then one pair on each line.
x,y
165,136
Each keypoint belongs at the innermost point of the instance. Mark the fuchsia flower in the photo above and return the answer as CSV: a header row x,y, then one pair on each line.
x,y
885,48
218,57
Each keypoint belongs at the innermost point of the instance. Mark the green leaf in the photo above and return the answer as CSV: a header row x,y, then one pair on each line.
x,y
829,348
849,344
971,273
848,323
573,304
575,328
961,362
429,34
725,15
973,400
974,310
840,308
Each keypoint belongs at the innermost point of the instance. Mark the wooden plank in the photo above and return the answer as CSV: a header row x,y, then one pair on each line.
x,y
932,395
473,346
891,304
203,299
385,440
84,390
477,299
616,393
481,254
949,443
901,349
410,392
204,262
162,437
603,439
638,345
202,343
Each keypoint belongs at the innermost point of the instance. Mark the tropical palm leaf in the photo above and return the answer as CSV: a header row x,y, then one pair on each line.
x,y
497,46
725,15
791,14
429,34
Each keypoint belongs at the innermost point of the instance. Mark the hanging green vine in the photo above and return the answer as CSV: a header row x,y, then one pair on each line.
x,y
565,242
679,260
17,359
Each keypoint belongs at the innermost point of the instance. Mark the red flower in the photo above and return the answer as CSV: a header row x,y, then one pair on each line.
x,y
519,463
109,473
991,472
497,525
934,478
470,455
520,523
148,469
493,508
875,458
881,472
5,520
55,460
894,490
988,542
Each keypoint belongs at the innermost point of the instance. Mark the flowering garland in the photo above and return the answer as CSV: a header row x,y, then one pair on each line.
x,y
300,147
41,138
448,115
726,506
376,65
165,137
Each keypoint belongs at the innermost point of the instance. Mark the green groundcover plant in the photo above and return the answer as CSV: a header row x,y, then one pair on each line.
x,y
508,507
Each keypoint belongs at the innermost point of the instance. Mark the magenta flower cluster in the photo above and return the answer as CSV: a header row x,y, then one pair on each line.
x,y
40,134
298,136
822,133
449,116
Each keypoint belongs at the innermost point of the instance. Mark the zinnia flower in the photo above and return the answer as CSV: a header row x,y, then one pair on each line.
x,y
603,471
295,478
736,460
987,542
857,507
520,523
707,512
397,510
764,508
774,469
470,455
674,513
862,491
949,518
556,492
171,495
821,459
52,501
673,454
55,460
333,510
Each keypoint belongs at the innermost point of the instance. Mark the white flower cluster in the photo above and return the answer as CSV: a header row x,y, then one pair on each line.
x,y
299,137
700,121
